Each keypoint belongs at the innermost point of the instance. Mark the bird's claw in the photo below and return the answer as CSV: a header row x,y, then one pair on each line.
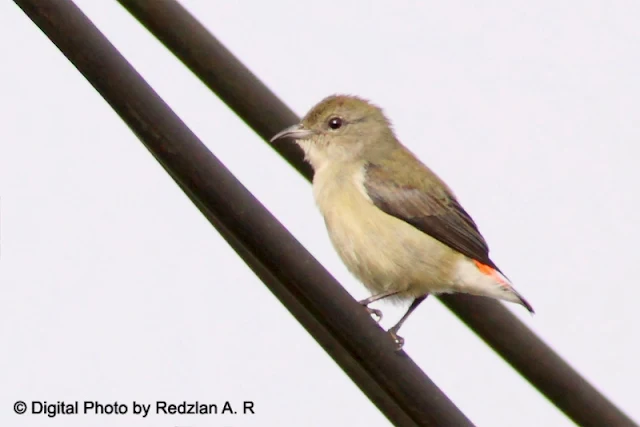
x,y
374,312
397,339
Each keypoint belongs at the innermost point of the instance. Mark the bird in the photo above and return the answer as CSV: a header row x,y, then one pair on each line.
x,y
397,226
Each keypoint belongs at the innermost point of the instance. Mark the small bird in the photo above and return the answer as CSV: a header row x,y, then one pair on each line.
x,y
394,223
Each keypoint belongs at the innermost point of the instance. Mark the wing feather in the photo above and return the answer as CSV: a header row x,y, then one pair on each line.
x,y
430,207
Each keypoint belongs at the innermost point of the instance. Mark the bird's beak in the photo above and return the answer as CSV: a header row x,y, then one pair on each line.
x,y
294,132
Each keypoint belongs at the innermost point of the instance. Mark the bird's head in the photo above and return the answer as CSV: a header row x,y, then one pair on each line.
x,y
340,128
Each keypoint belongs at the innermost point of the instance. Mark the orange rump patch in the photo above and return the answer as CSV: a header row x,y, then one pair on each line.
x,y
489,271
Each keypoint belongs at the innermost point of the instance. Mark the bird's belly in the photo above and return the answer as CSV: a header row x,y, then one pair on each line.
x,y
386,253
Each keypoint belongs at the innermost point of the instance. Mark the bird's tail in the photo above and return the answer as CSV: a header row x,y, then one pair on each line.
x,y
522,301
489,282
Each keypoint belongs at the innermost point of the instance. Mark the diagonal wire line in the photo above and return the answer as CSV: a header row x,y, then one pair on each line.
x,y
262,111
364,351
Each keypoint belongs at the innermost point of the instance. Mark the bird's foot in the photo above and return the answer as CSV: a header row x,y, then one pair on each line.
x,y
397,339
372,311
377,314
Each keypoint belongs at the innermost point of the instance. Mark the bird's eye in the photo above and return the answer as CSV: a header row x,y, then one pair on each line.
x,y
335,123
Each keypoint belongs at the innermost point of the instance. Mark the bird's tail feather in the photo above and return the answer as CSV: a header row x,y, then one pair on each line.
x,y
498,286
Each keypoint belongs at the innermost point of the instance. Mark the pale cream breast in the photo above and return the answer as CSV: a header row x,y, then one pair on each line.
x,y
380,250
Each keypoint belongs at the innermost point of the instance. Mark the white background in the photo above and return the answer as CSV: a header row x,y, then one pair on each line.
x,y
114,287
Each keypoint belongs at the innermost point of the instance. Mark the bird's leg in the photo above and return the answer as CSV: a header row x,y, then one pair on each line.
x,y
365,302
374,298
393,331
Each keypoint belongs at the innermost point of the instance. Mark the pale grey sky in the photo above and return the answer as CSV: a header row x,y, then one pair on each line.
x,y
114,287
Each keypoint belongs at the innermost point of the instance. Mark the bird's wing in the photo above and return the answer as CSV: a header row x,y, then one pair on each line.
x,y
427,204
